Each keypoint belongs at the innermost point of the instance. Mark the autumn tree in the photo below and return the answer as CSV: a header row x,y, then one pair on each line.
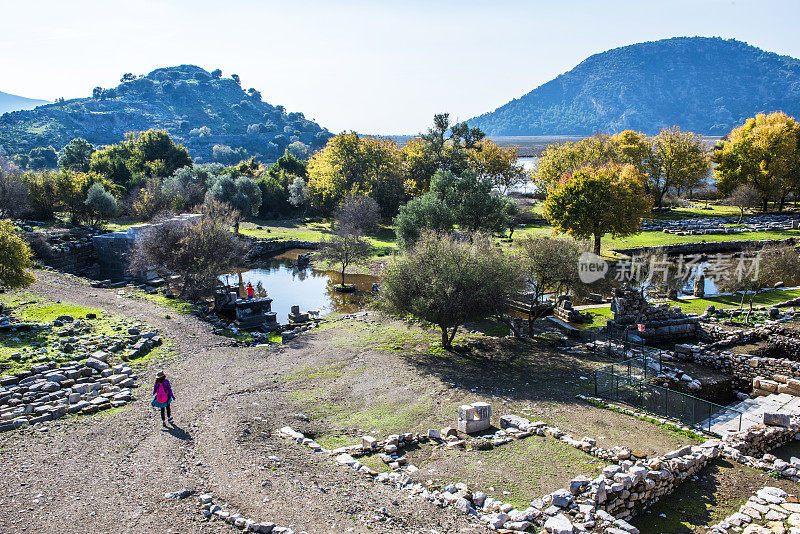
x,y
595,201
448,282
559,160
765,153
351,164
14,196
677,160
497,164
15,257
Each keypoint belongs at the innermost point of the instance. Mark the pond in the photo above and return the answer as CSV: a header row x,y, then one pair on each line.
x,y
311,289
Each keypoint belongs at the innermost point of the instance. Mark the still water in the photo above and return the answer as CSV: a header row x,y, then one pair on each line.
x,y
309,288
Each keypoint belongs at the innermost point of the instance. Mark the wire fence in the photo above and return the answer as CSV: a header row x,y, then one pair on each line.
x,y
626,382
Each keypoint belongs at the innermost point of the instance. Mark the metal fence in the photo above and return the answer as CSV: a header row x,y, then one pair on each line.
x,y
626,382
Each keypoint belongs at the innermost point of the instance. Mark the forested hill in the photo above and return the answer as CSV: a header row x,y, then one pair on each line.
x,y
13,102
706,85
198,108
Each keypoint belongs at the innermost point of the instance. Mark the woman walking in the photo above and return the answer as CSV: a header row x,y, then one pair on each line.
x,y
162,397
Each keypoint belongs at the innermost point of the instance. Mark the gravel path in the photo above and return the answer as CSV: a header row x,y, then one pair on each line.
x,y
109,472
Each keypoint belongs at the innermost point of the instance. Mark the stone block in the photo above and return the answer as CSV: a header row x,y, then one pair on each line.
x,y
777,419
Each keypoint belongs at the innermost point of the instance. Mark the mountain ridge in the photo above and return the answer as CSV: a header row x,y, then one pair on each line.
x,y
200,109
704,84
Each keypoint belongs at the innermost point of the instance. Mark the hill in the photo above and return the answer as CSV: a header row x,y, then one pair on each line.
x,y
707,85
10,102
198,109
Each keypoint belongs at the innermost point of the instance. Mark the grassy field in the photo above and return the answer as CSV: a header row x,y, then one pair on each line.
x,y
767,298
382,376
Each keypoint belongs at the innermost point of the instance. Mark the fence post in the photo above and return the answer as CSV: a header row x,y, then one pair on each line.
x,y
666,402
595,383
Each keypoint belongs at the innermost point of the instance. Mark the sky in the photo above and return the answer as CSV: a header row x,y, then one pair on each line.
x,y
379,67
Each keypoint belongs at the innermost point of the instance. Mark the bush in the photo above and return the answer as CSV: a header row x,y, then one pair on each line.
x,y
426,213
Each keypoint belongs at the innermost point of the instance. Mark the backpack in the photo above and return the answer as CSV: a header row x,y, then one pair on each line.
x,y
161,393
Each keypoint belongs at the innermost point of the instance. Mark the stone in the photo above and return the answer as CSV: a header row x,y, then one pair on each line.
x,y
558,524
562,498
777,419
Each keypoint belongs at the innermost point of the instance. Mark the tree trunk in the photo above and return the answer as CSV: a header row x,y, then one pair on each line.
x,y
741,215
597,237
782,204
445,338
452,336
750,311
343,268
765,205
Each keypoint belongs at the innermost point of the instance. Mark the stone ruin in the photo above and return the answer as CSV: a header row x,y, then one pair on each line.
x,y
113,249
648,322
295,317
475,417
565,312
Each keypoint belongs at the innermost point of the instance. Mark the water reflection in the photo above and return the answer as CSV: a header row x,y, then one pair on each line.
x,y
309,288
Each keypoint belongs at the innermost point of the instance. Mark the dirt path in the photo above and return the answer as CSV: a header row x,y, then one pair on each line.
x,y
109,472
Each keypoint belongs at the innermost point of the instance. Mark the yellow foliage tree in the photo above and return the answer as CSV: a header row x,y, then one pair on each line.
x,y
15,257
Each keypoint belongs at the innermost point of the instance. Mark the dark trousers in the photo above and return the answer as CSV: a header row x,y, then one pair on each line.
x,y
162,412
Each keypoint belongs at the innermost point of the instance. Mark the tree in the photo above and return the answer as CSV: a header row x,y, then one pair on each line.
x,y
426,213
357,214
14,197
76,155
42,158
596,201
450,152
471,201
351,164
764,152
678,160
127,77
216,74
448,282
15,258
71,189
344,249
290,164
498,164
140,156
242,195
298,193
559,160
255,93
100,204
43,193
235,78
743,197
771,265
198,251
97,92
549,266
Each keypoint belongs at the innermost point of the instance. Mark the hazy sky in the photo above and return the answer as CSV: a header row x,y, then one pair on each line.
x,y
372,66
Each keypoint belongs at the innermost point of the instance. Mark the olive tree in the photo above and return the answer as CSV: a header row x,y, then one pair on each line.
x,y
448,282
100,204
549,266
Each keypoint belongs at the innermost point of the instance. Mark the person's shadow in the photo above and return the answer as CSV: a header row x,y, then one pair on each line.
x,y
177,432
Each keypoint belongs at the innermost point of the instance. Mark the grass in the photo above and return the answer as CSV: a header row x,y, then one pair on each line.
x,y
767,298
694,436
181,306
32,308
655,239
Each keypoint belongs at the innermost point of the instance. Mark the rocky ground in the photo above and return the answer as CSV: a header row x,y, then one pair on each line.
x,y
109,472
